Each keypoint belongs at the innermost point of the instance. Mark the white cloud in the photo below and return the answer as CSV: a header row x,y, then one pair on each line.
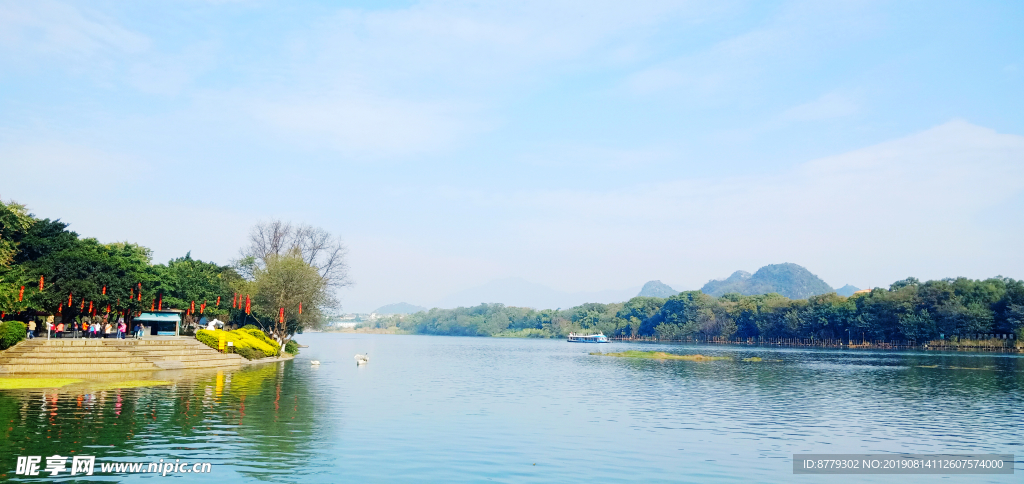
x,y
406,81
46,27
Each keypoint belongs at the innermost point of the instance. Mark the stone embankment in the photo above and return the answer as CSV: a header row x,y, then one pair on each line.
x,y
104,355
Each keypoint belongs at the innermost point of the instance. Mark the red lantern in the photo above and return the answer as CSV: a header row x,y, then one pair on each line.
x,y
234,301
2,314
152,305
248,305
282,315
90,305
108,309
131,294
202,308
160,302
40,283
218,301
192,308
82,307
21,294
300,308
69,299
104,290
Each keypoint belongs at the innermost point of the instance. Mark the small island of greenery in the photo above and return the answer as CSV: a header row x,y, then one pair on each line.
x,y
661,355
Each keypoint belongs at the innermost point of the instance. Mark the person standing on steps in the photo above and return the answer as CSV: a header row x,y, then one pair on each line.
x,y
32,329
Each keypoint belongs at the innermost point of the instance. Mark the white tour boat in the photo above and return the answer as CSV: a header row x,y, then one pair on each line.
x,y
587,338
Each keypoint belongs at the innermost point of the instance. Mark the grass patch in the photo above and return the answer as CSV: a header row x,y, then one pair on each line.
x,y
955,368
661,355
22,383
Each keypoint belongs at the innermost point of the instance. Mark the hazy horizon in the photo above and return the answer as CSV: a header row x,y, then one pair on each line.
x,y
584,147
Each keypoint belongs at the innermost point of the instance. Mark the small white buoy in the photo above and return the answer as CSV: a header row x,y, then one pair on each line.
x,y
362,359
315,362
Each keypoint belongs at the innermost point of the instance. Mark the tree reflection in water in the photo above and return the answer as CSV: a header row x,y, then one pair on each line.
x,y
256,420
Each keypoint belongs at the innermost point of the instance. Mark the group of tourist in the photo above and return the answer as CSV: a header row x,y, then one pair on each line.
x,y
86,328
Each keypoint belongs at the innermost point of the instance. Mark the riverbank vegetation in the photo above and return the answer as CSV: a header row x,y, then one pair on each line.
x,y
909,310
283,282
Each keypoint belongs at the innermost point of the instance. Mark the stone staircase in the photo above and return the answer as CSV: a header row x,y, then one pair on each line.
x,y
40,355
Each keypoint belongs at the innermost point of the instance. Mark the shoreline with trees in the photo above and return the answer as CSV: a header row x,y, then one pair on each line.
x,y
960,312
282,283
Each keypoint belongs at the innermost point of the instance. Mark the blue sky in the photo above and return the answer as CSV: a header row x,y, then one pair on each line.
x,y
585,146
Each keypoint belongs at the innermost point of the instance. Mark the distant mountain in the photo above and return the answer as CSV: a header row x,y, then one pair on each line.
x,y
400,308
657,289
518,292
790,280
847,290
737,282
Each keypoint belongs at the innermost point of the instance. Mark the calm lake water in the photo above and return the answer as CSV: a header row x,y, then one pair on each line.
x,y
449,409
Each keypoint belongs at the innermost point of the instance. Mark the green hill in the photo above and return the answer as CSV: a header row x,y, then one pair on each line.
x,y
847,290
657,289
790,280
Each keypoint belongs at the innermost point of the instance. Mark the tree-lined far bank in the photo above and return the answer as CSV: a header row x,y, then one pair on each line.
x,y
909,310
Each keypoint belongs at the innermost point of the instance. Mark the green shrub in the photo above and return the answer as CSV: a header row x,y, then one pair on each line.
x,y
242,341
11,332
260,335
291,347
208,338
249,353
250,326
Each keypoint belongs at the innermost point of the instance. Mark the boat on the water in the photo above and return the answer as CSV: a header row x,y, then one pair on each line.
x,y
587,338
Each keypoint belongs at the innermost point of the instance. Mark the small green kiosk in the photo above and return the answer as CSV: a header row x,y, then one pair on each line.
x,y
161,323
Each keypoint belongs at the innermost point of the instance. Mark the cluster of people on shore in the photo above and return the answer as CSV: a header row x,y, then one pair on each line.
x,y
85,327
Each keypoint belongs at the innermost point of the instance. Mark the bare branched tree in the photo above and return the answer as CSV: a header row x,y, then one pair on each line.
x,y
317,247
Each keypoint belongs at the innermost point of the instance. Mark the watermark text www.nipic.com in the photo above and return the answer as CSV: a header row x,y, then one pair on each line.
x,y
903,463
85,465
